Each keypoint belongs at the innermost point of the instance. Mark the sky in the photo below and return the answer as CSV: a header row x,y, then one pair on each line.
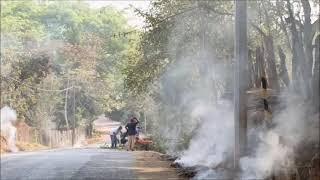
x,y
124,5
137,21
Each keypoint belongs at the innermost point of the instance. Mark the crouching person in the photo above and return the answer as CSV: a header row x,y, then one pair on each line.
x,y
114,136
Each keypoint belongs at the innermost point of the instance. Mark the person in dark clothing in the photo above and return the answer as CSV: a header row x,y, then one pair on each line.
x,y
123,138
131,130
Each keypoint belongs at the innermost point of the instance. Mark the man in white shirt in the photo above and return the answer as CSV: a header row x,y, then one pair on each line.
x,y
113,136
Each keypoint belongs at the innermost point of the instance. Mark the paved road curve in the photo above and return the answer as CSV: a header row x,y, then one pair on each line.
x,y
68,164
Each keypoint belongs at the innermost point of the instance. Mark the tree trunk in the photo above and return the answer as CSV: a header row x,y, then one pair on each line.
x,y
283,68
256,69
307,35
260,64
66,106
307,40
299,74
282,24
89,129
252,71
316,71
74,116
271,63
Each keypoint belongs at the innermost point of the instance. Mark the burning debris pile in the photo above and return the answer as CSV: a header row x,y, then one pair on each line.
x,y
199,171
281,146
210,152
188,172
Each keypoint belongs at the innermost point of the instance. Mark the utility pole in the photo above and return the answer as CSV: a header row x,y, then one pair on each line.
x,y
240,80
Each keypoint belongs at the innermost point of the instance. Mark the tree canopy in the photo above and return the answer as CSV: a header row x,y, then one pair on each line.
x,y
60,61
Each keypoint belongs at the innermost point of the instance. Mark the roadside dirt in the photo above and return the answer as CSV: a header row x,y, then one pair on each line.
x,y
22,146
97,138
25,146
150,165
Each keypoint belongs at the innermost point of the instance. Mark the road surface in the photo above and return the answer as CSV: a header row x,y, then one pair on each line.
x,y
90,163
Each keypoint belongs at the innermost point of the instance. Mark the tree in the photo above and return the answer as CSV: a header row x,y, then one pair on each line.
x,y
47,45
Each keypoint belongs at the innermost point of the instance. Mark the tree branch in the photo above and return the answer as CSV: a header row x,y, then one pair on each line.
x,y
258,29
218,12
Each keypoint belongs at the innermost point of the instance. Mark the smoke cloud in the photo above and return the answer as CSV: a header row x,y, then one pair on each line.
x,y
196,122
192,113
8,118
276,147
213,139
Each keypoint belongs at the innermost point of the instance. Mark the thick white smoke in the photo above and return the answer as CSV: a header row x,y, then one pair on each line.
x,y
189,108
8,118
277,145
191,88
213,140
272,145
193,119
270,156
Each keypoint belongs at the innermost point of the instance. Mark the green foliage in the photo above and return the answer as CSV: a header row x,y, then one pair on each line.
x,y
67,46
175,31
22,74
62,45
20,19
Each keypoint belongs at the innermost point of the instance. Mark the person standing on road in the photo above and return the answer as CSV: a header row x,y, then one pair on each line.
x,y
113,136
131,130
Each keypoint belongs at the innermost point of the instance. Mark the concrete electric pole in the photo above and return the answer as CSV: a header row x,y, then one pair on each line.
x,y
240,80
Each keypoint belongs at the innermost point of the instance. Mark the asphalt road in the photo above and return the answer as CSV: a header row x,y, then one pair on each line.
x,y
90,163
